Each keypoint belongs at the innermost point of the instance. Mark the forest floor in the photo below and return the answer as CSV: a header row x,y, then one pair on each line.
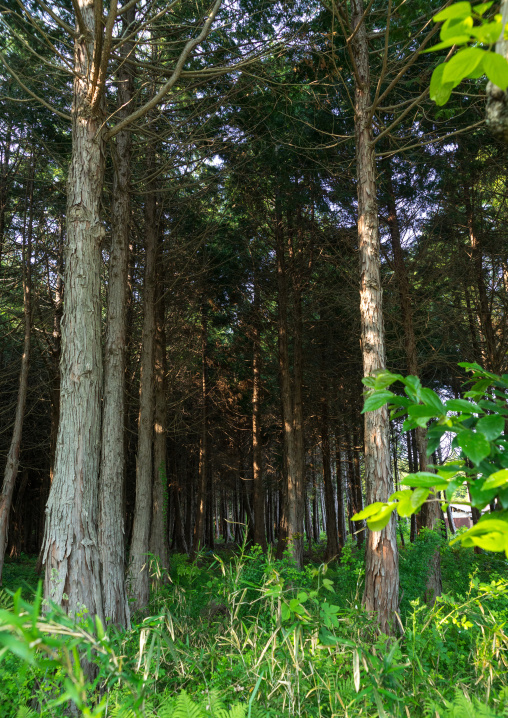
x,y
239,635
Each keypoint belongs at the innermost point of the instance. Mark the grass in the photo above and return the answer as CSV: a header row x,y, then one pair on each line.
x,y
243,635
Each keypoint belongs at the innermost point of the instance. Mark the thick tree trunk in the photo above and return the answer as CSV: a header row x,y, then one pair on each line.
x,y
139,574
11,467
112,472
382,565
483,300
497,100
71,553
257,474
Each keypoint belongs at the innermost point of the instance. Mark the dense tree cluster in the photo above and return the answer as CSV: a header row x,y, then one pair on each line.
x,y
215,219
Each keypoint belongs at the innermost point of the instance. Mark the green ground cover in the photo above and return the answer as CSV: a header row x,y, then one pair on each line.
x,y
237,634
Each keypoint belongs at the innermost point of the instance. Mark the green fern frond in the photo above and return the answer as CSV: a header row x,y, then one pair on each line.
x,y
25,712
5,602
122,712
186,708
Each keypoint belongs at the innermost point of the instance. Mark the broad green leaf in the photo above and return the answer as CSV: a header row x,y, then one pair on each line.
x,y
456,26
457,40
378,521
452,488
461,65
498,478
475,446
458,9
466,407
491,426
368,511
424,479
404,507
430,398
489,533
376,400
285,613
422,410
488,32
419,497
482,8
479,498
496,69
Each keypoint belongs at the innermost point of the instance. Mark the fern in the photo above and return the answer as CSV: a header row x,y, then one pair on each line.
x,y
122,712
461,707
25,712
186,708
5,601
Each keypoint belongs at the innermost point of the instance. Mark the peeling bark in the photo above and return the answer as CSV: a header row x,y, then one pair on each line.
x,y
382,565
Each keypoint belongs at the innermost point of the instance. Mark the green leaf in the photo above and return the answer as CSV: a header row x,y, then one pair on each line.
x,y
457,40
475,446
285,613
489,533
439,92
419,497
488,32
491,426
498,478
378,521
458,9
452,488
496,69
456,26
482,8
422,410
368,511
424,479
430,398
376,400
462,64
404,507
466,407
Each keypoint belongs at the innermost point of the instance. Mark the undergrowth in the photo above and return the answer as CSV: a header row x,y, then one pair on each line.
x,y
241,635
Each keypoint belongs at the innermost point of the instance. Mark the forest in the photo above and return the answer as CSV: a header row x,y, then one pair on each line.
x,y
253,359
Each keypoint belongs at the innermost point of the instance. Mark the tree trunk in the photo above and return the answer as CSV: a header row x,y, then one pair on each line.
x,y
71,553
291,407
382,565
4,196
483,300
199,524
332,544
112,472
139,574
11,467
497,100
341,517
159,532
257,474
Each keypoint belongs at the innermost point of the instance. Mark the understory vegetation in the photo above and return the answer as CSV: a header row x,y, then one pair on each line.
x,y
240,634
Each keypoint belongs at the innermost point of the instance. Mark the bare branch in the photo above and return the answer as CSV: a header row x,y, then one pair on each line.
x,y
29,92
189,47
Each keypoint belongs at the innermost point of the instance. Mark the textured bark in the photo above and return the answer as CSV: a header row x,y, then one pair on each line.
x,y
382,566
257,475
341,516
159,530
11,467
496,111
483,300
291,410
112,471
139,575
332,543
199,523
4,195
71,554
